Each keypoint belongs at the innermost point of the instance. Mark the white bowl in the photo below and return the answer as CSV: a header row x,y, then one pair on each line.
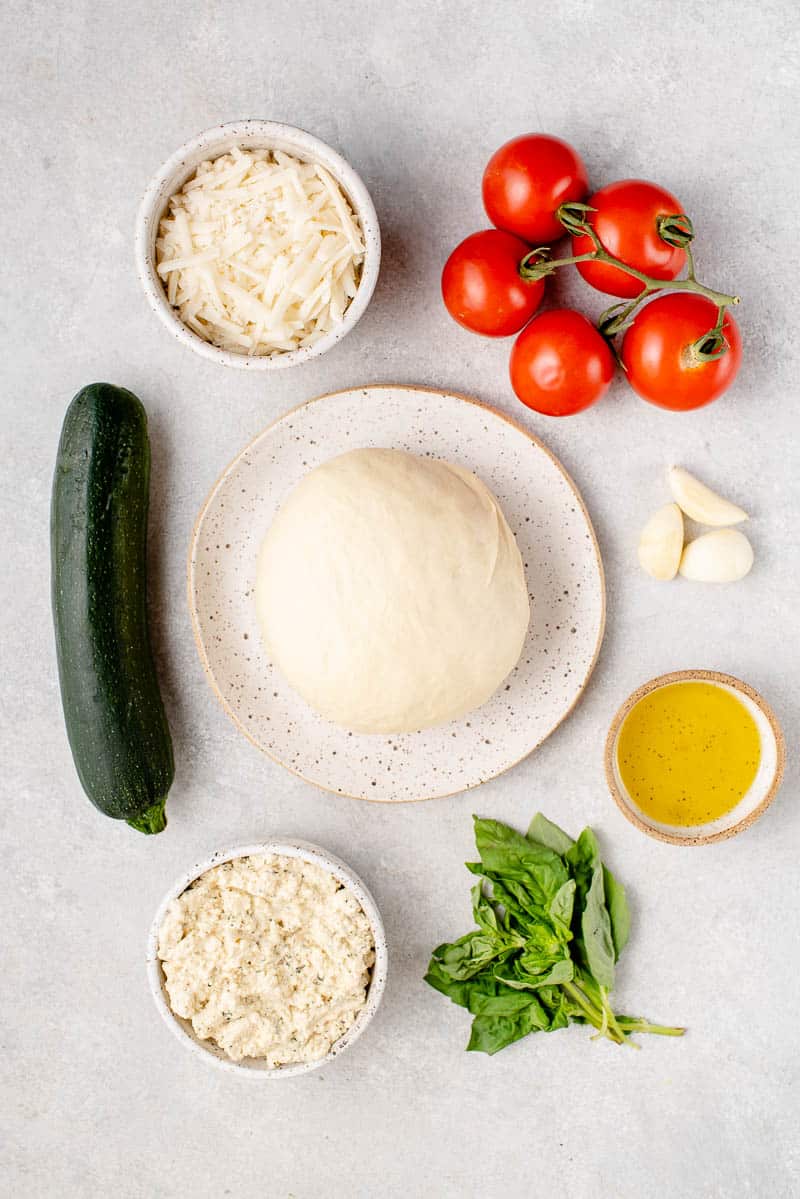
x,y
252,135
753,804
251,1066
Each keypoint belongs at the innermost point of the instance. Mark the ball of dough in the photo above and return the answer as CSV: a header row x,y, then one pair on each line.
x,y
390,591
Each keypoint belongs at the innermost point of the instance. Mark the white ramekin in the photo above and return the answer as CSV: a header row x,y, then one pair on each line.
x,y
750,807
252,135
250,1066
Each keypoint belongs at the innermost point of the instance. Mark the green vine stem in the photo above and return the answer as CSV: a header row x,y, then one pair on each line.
x,y
676,230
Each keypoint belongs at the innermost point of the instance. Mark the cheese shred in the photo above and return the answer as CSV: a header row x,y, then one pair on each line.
x,y
260,253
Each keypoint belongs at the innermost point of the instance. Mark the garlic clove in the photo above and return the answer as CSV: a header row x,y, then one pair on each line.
x,y
700,503
723,556
661,543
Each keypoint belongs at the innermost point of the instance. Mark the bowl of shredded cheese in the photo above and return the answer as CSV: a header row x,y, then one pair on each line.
x,y
268,959
257,245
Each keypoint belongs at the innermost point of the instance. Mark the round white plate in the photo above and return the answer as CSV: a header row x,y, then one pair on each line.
x,y
562,564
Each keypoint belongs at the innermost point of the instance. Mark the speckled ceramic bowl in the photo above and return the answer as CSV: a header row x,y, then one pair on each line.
x,y
251,1067
750,807
252,135
562,566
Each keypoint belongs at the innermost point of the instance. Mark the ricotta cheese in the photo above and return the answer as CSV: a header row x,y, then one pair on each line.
x,y
268,956
259,252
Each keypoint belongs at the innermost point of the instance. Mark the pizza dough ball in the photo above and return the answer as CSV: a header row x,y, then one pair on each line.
x,y
390,591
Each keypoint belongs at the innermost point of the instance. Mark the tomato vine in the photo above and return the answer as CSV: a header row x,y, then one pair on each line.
x,y
676,230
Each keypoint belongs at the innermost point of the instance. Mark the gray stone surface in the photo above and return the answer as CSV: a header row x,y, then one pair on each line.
x,y
98,1097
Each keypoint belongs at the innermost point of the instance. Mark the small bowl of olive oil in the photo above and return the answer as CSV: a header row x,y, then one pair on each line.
x,y
694,757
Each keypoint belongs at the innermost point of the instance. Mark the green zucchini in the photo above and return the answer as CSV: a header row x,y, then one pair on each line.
x,y
115,719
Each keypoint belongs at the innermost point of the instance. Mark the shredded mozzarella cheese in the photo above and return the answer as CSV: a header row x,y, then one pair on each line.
x,y
259,252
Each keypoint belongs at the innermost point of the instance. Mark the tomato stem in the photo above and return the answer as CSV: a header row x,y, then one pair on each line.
x,y
532,267
676,230
711,345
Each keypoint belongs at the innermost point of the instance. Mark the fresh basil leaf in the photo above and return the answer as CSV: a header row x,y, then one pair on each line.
x,y
562,971
618,910
597,942
535,886
560,1018
561,907
543,960
506,852
541,950
601,935
469,954
463,991
528,896
504,1003
512,896
546,882
492,1033
544,832
456,990
498,843
554,1000
484,912
583,858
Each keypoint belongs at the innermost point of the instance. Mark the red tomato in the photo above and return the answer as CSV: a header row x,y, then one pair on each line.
x,y
658,356
525,182
626,221
560,364
482,287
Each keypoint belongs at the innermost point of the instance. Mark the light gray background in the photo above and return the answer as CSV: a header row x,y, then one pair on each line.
x,y
99,1098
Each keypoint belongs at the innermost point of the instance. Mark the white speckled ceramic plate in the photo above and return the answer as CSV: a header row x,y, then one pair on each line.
x,y
562,564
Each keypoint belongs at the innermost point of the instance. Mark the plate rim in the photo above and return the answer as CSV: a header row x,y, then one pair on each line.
x,y
222,477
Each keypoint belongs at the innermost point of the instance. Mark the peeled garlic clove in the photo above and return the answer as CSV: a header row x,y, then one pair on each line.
x,y
700,503
723,556
661,543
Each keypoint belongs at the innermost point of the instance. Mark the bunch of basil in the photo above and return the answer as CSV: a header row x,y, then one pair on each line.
x,y
552,922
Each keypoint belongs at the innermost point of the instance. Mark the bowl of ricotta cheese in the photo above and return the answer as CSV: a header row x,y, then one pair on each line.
x,y
268,959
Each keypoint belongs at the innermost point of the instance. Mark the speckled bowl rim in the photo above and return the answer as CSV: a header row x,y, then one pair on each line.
x,y
694,676
410,387
344,874
209,144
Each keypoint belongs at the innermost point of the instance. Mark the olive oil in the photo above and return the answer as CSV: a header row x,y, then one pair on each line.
x,y
688,752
